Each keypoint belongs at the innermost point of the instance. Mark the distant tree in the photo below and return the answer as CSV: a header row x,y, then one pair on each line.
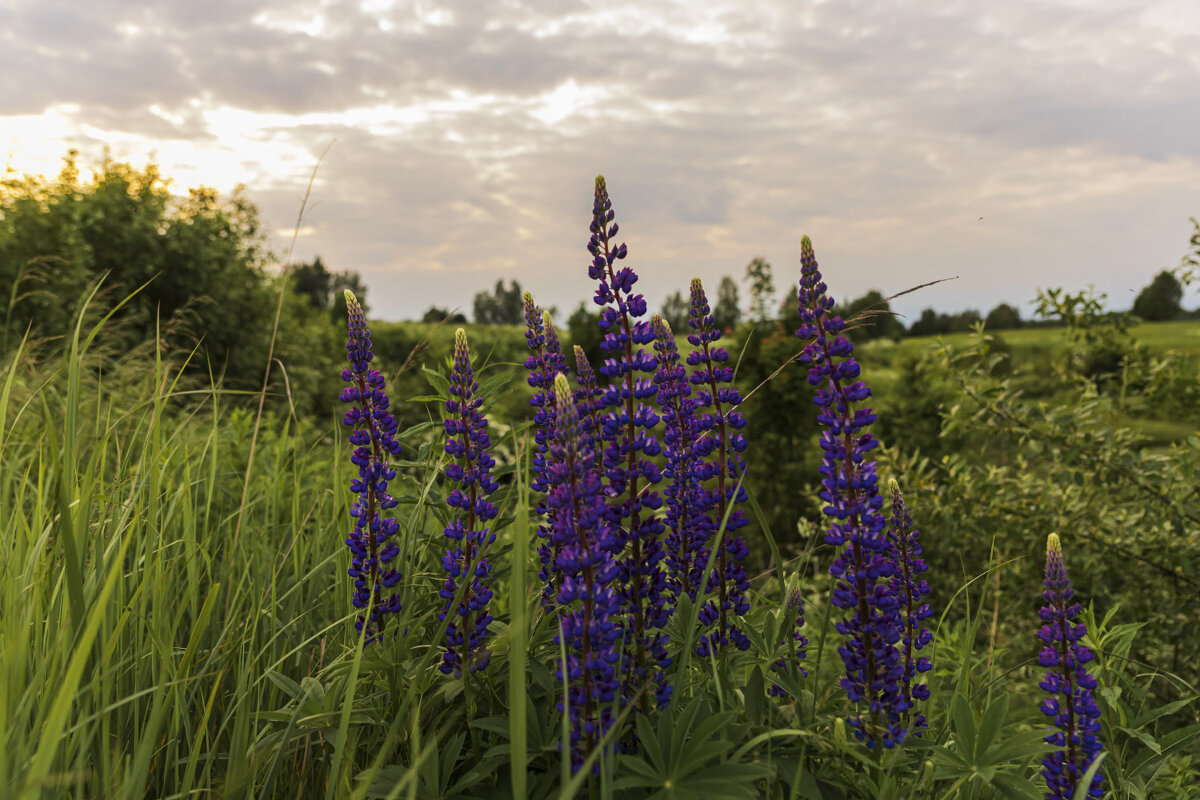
x,y
583,329
501,307
963,320
762,288
439,314
877,319
675,311
1160,300
930,323
326,290
313,281
1002,318
727,311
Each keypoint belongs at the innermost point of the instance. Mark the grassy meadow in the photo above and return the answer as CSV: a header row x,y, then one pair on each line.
x,y
175,622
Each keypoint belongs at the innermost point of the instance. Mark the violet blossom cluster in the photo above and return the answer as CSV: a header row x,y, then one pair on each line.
x,y
688,527
372,548
544,362
465,590
1071,703
629,450
586,544
719,444
909,589
863,567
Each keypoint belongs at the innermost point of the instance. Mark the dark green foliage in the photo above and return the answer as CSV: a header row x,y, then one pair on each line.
x,y
201,260
727,312
762,288
439,314
870,317
1160,300
501,307
675,312
1003,317
930,323
583,331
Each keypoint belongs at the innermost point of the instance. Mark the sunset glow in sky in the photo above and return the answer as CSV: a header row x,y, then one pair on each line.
x,y
1037,144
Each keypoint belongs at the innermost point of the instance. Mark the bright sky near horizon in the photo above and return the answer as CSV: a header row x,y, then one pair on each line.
x,y
1017,145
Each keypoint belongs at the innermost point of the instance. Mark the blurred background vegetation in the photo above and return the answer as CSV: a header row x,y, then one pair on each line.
x,y
1079,419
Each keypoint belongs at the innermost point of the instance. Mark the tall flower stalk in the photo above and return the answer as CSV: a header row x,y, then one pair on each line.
x,y
719,444
688,528
630,447
586,544
544,362
862,569
1071,703
465,562
909,588
372,548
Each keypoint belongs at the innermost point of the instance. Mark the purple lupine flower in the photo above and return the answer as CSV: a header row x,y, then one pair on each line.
x,y
688,527
589,400
794,640
909,588
863,569
1071,704
629,449
544,362
719,445
587,545
372,550
466,558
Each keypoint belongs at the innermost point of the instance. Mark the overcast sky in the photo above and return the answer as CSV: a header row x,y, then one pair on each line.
x,y
1017,145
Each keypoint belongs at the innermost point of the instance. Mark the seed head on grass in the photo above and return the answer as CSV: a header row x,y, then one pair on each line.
x,y
372,550
1071,703
466,561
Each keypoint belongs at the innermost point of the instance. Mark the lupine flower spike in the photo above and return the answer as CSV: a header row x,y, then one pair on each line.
x,y
372,550
794,642
863,569
688,528
909,588
1071,704
586,544
544,362
589,401
719,445
465,561
629,450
